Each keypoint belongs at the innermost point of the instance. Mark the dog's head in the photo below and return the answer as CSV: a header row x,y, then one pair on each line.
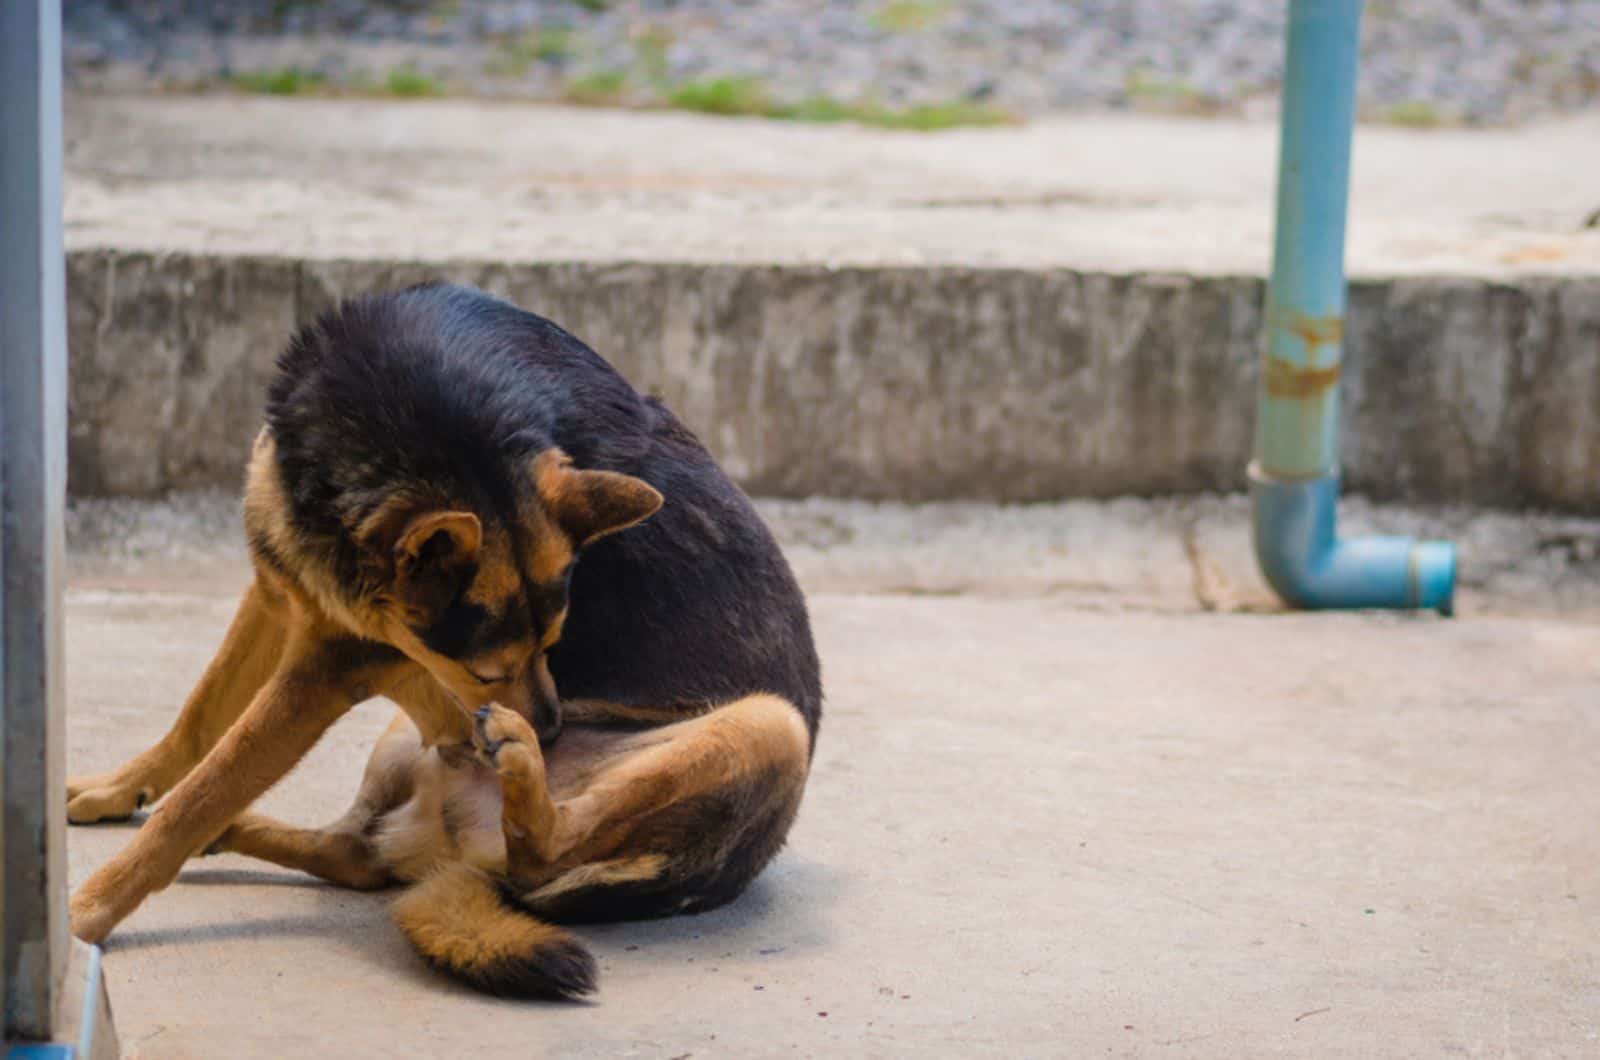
x,y
480,603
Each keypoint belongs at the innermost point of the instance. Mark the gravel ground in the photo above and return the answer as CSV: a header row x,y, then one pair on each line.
x,y
1424,61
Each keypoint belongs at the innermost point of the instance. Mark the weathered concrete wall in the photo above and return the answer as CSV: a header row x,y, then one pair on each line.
x,y
907,383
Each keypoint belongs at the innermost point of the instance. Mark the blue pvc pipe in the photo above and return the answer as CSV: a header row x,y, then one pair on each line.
x,y
1309,566
1294,479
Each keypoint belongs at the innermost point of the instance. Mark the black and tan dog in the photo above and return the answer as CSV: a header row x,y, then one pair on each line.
x,y
458,505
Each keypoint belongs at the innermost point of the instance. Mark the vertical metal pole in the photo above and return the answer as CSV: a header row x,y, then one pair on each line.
x,y
1294,479
33,361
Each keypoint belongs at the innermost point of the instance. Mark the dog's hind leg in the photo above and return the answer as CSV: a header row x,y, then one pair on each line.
x,y
342,852
248,655
676,818
349,859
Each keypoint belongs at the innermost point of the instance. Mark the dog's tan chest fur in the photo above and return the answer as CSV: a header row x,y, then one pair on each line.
x,y
453,815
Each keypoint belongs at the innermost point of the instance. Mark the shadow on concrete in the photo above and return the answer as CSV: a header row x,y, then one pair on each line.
x,y
784,913
363,927
786,910
233,931
255,878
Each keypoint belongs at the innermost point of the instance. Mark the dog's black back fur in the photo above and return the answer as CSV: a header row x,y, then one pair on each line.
x,y
448,389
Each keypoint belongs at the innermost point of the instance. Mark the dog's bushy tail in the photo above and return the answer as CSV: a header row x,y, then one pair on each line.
x,y
459,921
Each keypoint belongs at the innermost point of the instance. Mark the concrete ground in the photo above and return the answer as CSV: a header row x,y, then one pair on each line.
x,y
1083,806
442,180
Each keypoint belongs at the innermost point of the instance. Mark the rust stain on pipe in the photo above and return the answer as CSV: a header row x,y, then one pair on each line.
x,y
1285,379
1313,331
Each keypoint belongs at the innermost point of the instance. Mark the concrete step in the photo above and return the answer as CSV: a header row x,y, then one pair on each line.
x,y
1071,309
897,383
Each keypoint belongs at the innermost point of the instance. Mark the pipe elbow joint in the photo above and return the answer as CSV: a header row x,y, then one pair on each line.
x,y
1310,567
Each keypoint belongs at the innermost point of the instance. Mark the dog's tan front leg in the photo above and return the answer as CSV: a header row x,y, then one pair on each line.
x,y
316,682
438,716
248,655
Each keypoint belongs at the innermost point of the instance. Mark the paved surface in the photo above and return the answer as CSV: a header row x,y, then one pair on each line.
x,y
455,179
1099,821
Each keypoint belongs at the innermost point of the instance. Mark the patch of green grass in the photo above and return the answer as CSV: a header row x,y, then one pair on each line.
x,y
554,43
910,16
593,5
599,87
1413,114
923,117
289,81
723,95
822,109
408,82
1147,91
930,117
514,56
749,96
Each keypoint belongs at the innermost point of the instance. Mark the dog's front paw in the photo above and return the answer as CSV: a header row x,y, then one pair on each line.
x,y
104,798
91,920
503,737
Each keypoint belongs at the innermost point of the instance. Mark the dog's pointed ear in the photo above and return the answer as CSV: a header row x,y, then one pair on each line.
x,y
588,505
439,538
428,554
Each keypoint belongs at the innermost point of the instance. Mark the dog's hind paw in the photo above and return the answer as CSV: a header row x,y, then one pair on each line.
x,y
496,732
